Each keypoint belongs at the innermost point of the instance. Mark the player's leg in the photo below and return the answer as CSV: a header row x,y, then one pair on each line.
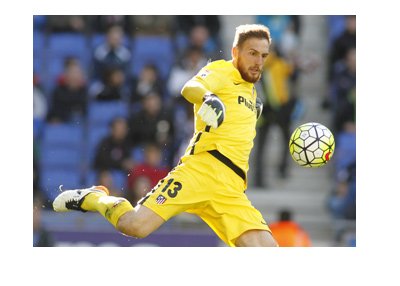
x,y
137,222
140,222
256,237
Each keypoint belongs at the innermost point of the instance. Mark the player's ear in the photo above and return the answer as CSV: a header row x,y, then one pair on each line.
x,y
235,52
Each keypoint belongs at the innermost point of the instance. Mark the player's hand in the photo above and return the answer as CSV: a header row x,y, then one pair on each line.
x,y
212,111
259,107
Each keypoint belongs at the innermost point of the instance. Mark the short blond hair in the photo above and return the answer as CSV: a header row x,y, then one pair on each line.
x,y
248,31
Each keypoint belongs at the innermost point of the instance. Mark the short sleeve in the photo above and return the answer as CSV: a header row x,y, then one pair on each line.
x,y
210,78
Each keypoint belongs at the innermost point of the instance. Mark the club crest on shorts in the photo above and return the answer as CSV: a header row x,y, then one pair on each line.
x,y
160,199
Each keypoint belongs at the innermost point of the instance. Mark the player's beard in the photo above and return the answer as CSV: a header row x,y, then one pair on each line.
x,y
247,76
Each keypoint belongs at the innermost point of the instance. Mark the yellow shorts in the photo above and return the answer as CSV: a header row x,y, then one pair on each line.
x,y
204,186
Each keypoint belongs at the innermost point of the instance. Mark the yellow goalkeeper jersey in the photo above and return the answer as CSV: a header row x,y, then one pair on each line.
x,y
234,137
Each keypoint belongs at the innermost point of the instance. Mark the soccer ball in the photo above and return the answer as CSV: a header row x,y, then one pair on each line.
x,y
311,145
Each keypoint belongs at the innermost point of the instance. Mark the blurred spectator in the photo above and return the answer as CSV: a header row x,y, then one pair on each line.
x,y
147,82
200,37
105,178
186,23
152,123
39,102
152,168
111,88
184,119
67,23
344,93
289,233
113,152
188,66
101,23
289,43
40,108
112,53
193,60
41,237
202,31
139,189
69,98
342,202
296,23
278,107
151,25
342,44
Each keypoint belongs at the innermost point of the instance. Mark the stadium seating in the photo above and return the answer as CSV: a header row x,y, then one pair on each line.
x,y
38,126
62,45
65,158
102,113
54,69
62,147
38,66
52,178
69,135
152,50
39,41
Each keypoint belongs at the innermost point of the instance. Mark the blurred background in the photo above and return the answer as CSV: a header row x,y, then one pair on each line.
x,y
107,110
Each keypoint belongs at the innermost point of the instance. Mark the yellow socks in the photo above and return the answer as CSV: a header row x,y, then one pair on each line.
x,y
112,208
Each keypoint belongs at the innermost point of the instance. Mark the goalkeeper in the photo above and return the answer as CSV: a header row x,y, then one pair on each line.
x,y
210,179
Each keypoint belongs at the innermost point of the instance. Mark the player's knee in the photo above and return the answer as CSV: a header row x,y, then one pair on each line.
x,y
130,225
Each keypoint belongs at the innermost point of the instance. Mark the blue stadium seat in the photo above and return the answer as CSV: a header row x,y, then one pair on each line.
x,y
38,53
156,50
61,157
38,66
95,135
55,68
39,41
62,45
52,178
62,146
38,125
69,135
102,113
